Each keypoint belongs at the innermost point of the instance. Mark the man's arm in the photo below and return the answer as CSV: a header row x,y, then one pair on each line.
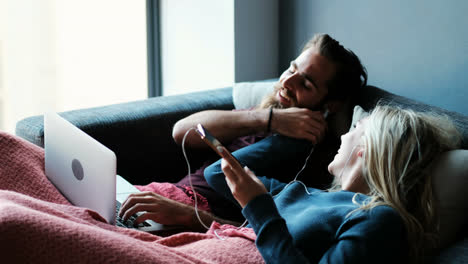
x,y
227,125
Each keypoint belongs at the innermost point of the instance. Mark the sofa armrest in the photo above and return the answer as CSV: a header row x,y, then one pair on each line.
x,y
139,132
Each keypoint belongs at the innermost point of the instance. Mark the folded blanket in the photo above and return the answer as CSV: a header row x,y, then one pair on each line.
x,y
38,225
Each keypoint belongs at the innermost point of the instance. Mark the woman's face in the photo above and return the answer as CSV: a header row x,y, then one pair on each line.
x,y
347,164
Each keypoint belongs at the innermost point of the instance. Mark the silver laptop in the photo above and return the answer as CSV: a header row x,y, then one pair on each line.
x,y
84,171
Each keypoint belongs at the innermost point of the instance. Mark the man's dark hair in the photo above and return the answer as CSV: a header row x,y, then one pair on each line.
x,y
350,76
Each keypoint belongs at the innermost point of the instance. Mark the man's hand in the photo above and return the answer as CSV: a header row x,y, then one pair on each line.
x,y
243,183
157,208
299,123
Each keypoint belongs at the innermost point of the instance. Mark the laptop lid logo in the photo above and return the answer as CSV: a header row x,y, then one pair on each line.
x,y
77,169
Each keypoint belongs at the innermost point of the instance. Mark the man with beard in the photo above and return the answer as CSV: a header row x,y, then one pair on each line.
x,y
286,129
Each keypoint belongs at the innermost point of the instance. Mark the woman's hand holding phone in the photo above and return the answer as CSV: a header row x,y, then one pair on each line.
x,y
243,183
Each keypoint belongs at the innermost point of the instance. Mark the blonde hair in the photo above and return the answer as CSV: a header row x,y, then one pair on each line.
x,y
400,145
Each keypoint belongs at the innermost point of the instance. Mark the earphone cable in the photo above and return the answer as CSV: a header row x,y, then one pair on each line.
x,y
193,188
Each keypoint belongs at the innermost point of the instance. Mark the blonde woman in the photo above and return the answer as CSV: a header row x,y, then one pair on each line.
x,y
380,208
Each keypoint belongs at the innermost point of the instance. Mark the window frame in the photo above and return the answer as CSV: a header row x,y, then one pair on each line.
x,y
153,48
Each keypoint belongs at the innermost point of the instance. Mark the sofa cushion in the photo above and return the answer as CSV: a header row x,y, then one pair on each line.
x,y
456,253
249,94
449,179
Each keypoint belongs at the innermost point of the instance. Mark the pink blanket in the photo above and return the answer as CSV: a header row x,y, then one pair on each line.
x,y
38,225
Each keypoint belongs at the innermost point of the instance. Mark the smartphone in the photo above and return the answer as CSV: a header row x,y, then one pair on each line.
x,y
208,138
211,140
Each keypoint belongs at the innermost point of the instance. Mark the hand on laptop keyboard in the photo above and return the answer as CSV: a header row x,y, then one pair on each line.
x,y
130,222
158,208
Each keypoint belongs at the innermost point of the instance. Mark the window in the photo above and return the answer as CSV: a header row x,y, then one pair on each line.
x,y
208,44
64,55
197,45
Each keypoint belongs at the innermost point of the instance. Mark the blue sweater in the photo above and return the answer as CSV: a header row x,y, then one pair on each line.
x,y
296,227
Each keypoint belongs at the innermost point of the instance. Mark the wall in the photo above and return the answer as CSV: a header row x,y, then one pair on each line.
x,y
417,49
256,39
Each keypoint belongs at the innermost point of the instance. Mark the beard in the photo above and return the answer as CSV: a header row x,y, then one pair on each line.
x,y
271,101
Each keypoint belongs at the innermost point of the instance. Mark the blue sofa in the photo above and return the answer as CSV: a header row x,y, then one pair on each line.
x,y
140,133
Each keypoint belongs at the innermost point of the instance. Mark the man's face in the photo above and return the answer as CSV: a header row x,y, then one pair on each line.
x,y
304,83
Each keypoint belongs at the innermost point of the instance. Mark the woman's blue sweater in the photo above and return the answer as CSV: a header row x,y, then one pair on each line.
x,y
306,225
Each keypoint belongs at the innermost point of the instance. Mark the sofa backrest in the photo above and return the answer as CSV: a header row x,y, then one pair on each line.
x,y
369,96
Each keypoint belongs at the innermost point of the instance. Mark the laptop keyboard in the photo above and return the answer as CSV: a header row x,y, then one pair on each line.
x,y
130,223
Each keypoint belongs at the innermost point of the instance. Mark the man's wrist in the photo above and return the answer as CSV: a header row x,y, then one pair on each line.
x,y
270,118
258,120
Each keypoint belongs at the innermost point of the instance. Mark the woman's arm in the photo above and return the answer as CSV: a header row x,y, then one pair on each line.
x,y
274,241
276,155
